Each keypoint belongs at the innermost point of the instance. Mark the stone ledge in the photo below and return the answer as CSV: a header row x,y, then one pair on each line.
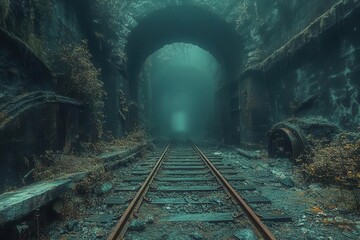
x,y
339,12
16,204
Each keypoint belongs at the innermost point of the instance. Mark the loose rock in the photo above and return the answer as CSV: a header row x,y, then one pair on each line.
x,y
105,187
137,225
197,236
288,182
245,234
71,225
149,219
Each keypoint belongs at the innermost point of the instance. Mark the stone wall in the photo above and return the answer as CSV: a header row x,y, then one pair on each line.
x,y
314,75
31,34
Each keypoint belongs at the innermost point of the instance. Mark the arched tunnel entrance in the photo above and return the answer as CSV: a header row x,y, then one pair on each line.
x,y
176,91
186,24
159,119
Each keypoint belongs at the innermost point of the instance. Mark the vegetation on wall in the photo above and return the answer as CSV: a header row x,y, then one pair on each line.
x,y
135,138
337,161
108,26
4,10
24,19
81,80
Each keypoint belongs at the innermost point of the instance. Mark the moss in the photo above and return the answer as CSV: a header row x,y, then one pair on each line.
x,y
37,46
43,8
81,80
4,11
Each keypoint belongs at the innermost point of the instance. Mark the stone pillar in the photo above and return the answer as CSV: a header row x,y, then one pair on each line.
x,y
254,108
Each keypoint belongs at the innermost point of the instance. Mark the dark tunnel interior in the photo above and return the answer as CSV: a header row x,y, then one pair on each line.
x,y
186,24
179,119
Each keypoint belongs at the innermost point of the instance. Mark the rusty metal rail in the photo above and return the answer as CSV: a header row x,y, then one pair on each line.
x,y
237,198
121,227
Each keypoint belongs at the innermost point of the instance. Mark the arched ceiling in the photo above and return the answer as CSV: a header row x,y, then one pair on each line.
x,y
189,24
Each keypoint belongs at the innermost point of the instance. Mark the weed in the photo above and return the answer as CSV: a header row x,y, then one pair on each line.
x,y
82,81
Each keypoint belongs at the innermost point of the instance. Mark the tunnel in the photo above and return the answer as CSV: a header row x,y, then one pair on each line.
x,y
179,119
189,24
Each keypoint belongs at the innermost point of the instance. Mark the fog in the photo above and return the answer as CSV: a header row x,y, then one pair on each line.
x,y
178,84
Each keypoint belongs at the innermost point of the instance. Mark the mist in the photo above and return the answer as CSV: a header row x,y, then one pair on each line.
x,y
181,80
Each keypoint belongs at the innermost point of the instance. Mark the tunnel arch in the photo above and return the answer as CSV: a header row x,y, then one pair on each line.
x,y
188,24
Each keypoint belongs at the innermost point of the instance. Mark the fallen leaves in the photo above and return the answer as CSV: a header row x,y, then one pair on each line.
x,y
316,210
335,162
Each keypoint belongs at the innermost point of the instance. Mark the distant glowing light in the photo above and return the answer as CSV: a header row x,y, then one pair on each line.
x,y
179,122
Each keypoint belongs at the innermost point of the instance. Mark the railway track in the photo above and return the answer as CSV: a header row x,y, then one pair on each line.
x,y
183,193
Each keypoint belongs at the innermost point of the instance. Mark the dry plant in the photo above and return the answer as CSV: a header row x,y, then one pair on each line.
x,y
82,81
336,162
134,138
53,165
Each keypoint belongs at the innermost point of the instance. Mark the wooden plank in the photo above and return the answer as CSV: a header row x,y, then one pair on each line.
x,y
184,168
203,217
195,172
101,218
135,179
275,218
127,188
245,188
203,188
116,200
257,200
184,179
164,201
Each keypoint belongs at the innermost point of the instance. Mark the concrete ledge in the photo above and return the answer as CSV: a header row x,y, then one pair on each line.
x,y
339,12
122,153
15,205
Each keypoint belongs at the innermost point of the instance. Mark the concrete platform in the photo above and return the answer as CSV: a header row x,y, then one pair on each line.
x,y
17,204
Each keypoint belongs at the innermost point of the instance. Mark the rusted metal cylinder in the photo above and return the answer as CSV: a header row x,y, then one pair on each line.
x,y
286,140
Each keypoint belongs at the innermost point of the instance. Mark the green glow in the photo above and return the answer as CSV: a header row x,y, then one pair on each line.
x,y
179,122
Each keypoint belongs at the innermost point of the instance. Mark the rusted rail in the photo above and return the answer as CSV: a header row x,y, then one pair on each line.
x,y
237,198
121,227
